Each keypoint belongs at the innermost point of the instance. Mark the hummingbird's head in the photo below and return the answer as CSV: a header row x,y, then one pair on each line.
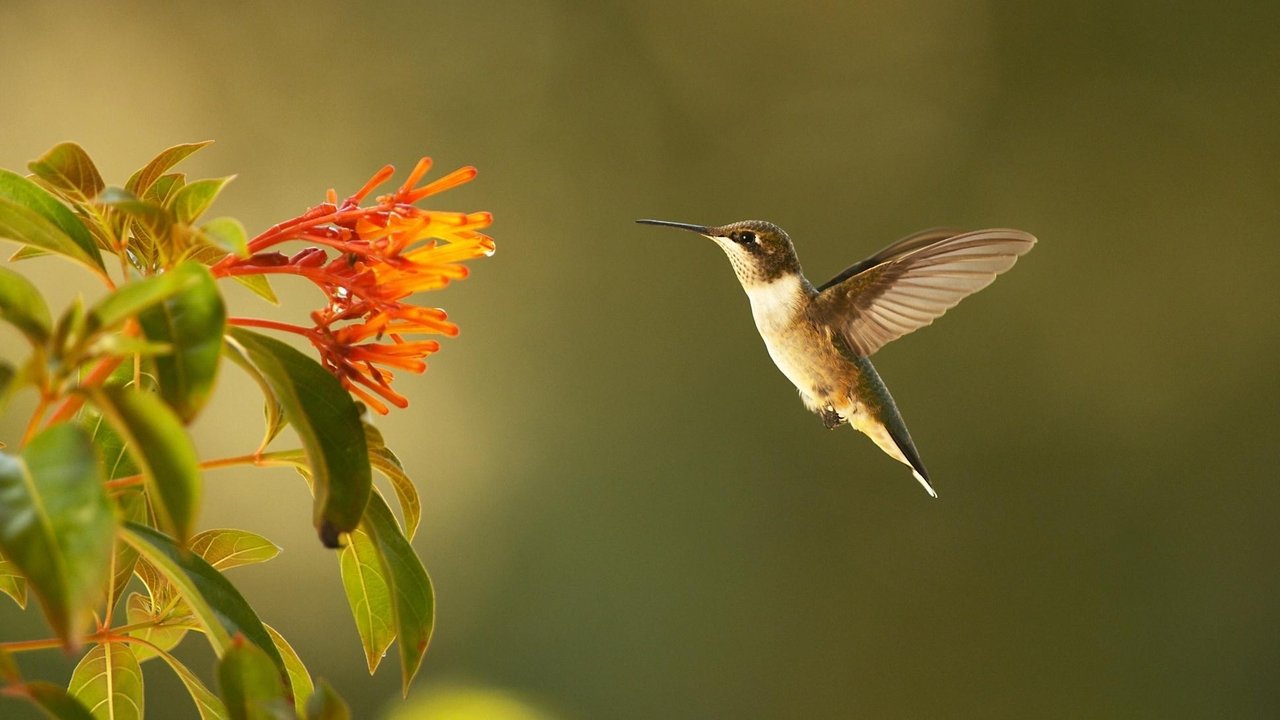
x,y
759,251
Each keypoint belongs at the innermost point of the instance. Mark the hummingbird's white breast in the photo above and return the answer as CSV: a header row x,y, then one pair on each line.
x,y
777,307
774,304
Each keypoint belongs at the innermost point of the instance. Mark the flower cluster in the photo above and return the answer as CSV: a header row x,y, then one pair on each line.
x,y
367,260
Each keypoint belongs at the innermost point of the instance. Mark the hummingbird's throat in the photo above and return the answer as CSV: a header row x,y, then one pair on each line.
x,y
759,262
746,264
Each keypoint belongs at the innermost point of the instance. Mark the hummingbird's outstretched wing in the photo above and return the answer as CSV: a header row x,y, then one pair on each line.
x,y
914,241
910,283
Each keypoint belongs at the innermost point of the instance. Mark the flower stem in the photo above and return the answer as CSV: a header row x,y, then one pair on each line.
x,y
270,325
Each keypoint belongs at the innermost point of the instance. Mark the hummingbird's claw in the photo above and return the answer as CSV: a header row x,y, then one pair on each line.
x,y
831,418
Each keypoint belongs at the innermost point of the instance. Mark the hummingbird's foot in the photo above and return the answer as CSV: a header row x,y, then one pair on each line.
x,y
831,418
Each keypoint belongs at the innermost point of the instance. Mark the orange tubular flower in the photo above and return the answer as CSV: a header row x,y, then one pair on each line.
x,y
381,254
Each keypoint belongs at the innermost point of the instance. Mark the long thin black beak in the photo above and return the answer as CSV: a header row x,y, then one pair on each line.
x,y
700,229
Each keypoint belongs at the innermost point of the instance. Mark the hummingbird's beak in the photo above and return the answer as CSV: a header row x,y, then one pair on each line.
x,y
700,229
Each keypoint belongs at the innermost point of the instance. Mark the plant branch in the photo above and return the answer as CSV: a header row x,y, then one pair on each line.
x,y
259,459
103,635
96,377
32,425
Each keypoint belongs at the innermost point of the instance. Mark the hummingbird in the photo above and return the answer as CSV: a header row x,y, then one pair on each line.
x,y
822,338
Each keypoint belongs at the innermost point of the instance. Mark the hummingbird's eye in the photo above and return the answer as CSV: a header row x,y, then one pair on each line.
x,y
746,238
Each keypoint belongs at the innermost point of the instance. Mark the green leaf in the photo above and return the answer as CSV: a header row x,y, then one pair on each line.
x,y
195,197
412,597
22,305
215,603
368,595
13,583
299,678
250,687
326,704
163,594
69,330
52,700
150,215
164,188
227,548
128,347
115,457
108,681
328,423
56,525
133,508
272,412
258,285
71,238
162,450
69,170
21,224
132,299
26,252
227,234
141,180
164,633
192,321
222,236
386,462
7,377
208,704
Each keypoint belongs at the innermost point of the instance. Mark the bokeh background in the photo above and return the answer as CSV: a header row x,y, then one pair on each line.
x,y
629,514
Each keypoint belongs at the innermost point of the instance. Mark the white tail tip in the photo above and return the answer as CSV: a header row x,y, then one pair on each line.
x,y
925,484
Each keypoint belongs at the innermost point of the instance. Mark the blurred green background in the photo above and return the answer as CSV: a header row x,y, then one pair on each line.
x,y
629,514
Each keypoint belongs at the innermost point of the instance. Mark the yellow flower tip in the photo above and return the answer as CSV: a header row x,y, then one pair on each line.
x,y
331,197
372,228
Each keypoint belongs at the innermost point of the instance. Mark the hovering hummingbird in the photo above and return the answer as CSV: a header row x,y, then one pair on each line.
x,y
822,338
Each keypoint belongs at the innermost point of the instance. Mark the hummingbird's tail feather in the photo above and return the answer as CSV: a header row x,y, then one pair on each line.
x,y
892,438
878,418
925,483
906,451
